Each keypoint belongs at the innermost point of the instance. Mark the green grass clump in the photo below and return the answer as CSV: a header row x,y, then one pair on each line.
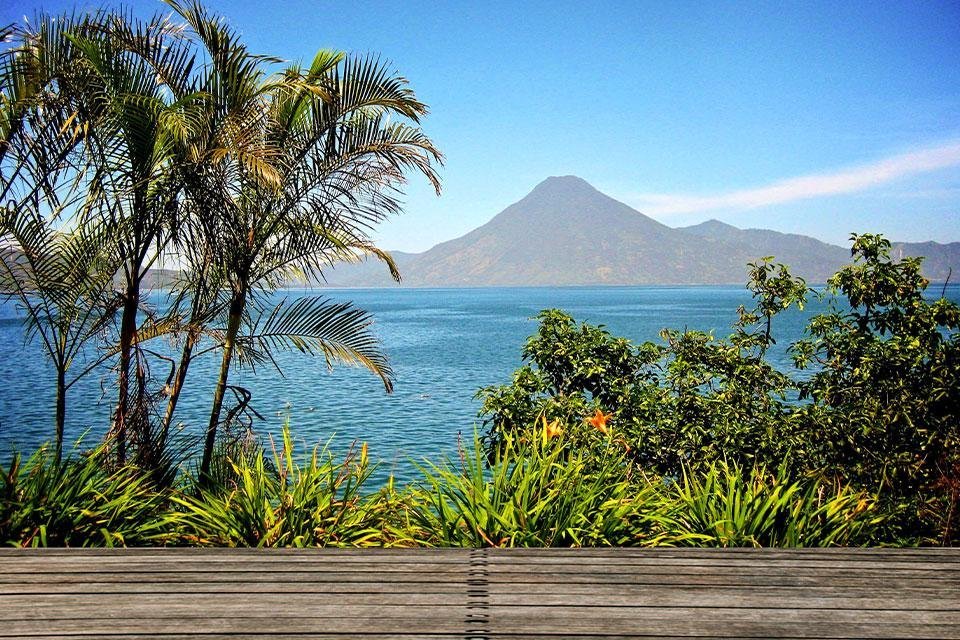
x,y
728,507
542,491
78,502
534,494
283,502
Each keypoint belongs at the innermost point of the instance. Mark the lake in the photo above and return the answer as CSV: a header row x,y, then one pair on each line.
x,y
444,345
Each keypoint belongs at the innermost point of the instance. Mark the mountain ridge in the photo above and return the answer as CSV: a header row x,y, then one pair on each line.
x,y
566,232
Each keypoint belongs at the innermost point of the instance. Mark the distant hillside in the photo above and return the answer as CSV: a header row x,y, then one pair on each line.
x,y
814,260
940,261
159,278
565,232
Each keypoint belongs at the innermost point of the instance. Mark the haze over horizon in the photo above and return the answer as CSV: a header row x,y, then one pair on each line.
x,y
817,118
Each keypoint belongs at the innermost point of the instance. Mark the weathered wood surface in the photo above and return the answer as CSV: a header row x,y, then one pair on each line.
x,y
480,595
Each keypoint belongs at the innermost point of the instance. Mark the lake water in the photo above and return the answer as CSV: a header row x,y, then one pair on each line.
x,y
444,345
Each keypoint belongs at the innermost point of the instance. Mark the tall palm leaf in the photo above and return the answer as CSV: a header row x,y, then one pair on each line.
x,y
58,272
316,326
133,149
62,280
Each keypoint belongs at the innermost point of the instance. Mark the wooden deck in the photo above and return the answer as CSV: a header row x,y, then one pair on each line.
x,y
479,594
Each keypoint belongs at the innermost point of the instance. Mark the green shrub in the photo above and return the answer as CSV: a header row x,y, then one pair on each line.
x,y
877,410
885,390
284,503
78,502
537,493
729,507
694,400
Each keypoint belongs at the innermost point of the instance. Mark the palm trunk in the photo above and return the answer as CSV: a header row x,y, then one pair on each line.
x,y
233,327
177,386
61,410
128,331
193,335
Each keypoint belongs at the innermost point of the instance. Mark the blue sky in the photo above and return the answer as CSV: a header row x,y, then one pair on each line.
x,y
815,118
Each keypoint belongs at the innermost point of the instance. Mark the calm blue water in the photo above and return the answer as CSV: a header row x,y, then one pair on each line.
x,y
444,344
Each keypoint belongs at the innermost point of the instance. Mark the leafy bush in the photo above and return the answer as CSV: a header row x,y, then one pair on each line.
x,y
686,403
77,502
885,389
534,494
283,503
729,507
878,410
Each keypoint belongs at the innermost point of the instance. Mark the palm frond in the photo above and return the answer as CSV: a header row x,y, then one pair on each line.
x,y
338,331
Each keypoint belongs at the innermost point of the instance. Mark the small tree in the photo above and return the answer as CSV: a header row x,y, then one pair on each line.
x,y
62,281
59,273
885,388
691,401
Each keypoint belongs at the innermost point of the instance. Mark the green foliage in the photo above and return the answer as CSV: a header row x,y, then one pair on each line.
x,y
878,410
692,401
885,389
535,494
318,502
125,143
726,506
77,502
541,492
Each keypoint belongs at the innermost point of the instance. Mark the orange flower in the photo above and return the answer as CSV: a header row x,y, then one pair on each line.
x,y
552,429
599,421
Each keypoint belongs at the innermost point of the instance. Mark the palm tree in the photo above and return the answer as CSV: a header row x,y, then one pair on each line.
x,y
228,132
60,278
252,179
130,66
63,282
319,165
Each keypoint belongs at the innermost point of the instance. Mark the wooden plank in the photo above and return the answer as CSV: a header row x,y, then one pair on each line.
x,y
754,568
928,597
306,566
215,600
480,594
275,608
601,614
212,624
235,588
161,605
884,552
415,580
677,624
239,571
917,554
411,576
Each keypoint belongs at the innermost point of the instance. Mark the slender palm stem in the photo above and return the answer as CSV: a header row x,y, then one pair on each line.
x,y
186,355
237,305
128,332
178,382
61,410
